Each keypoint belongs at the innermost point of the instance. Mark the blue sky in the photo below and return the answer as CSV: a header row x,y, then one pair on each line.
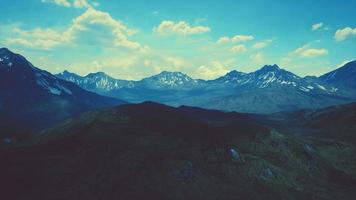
x,y
205,39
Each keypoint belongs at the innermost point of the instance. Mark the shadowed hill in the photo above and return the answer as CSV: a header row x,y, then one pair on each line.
x,y
152,151
336,122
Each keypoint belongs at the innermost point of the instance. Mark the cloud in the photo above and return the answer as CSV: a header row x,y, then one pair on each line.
x,y
262,44
258,57
92,27
212,70
238,49
179,28
223,40
242,38
81,4
317,26
71,3
64,3
234,39
345,33
307,52
38,38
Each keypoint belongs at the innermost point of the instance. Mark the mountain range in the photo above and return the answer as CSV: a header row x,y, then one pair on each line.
x,y
32,99
267,90
37,99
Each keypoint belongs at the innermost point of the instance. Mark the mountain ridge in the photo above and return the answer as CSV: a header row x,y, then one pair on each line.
x,y
235,91
32,99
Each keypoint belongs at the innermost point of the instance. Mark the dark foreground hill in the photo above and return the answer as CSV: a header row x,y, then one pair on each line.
x,y
335,122
151,151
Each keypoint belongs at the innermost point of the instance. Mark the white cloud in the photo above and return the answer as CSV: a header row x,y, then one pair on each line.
x,y
223,40
307,52
38,38
235,39
81,4
262,44
345,33
317,26
64,3
258,57
93,26
242,38
72,3
180,28
238,49
213,70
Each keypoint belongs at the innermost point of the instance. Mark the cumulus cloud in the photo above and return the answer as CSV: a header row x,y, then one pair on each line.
x,y
64,3
317,26
212,70
38,38
179,28
242,38
238,49
234,39
223,40
258,57
345,33
262,44
92,27
307,52
71,3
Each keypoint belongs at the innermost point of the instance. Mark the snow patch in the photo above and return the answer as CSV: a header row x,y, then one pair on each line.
x,y
334,89
54,91
66,90
321,87
304,89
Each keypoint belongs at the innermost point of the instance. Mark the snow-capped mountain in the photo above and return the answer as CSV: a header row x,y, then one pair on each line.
x,y
35,98
269,89
272,76
169,80
344,76
18,74
96,82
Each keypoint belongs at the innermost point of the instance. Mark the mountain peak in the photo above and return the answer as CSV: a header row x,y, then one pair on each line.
x,y
5,53
66,72
351,64
170,79
96,74
344,76
169,73
271,68
5,50
234,73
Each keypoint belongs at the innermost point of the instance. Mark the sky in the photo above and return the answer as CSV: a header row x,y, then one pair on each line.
x,y
204,39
